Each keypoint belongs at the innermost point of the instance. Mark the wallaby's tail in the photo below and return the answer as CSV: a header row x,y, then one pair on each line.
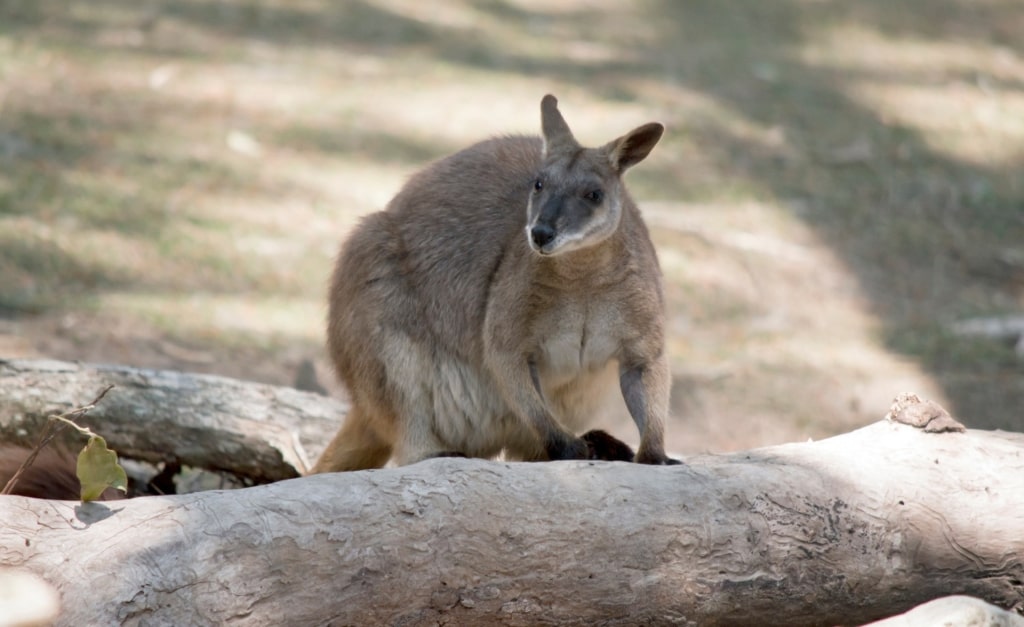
x,y
356,446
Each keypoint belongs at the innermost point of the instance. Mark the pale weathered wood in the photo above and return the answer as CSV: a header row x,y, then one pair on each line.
x,y
954,611
26,600
841,531
250,429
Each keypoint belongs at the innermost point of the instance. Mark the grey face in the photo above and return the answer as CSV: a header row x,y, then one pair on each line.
x,y
572,205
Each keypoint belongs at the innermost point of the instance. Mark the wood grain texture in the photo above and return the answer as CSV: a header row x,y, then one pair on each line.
x,y
841,531
251,429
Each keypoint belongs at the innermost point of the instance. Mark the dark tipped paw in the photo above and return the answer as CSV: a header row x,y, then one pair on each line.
x,y
657,460
605,447
569,448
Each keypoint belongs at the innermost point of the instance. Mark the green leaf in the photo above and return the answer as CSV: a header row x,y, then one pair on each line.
x,y
98,470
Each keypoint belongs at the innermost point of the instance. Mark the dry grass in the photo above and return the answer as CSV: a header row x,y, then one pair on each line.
x,y
840,181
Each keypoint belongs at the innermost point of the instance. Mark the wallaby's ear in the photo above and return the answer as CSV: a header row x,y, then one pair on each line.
x,y
634,146
557,136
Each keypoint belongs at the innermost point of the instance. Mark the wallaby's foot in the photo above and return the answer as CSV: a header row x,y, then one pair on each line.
x,y
605,446
569,448
659,459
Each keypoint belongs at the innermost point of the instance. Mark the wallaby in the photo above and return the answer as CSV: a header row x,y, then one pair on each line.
x,y
495,300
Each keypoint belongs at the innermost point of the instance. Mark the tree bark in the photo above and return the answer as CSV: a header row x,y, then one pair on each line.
x,y
842,531
249,429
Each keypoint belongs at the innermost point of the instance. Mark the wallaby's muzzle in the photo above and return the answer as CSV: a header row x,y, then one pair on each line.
x,y
542,231
541,235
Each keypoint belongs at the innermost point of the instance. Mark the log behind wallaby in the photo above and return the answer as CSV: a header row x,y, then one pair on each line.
x,y
495,301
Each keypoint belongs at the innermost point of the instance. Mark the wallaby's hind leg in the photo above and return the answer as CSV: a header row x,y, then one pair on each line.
x,y
356,446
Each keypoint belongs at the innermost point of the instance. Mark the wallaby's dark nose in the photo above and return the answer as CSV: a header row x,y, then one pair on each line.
x,y
542,235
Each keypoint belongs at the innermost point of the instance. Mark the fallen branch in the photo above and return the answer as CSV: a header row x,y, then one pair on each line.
x,y
55,424
249,429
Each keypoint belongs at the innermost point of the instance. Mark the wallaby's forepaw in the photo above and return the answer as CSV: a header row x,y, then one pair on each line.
x,y
606,447
656,460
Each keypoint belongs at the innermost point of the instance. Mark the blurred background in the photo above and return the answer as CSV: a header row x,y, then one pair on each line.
x,y
840,188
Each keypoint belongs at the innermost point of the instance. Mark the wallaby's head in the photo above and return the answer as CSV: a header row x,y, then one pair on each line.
x,y
577,196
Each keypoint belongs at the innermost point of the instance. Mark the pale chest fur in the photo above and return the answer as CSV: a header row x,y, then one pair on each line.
x,y
575,339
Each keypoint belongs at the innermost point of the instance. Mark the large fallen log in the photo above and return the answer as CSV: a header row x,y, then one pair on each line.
x,y
250,429
842,531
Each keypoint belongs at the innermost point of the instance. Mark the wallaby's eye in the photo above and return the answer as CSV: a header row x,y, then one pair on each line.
x,y
538,185
594,196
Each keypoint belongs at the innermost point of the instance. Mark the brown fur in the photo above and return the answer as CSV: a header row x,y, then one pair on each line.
x,y
483,312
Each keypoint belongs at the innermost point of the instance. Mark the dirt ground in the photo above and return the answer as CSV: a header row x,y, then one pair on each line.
x,y
839,184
